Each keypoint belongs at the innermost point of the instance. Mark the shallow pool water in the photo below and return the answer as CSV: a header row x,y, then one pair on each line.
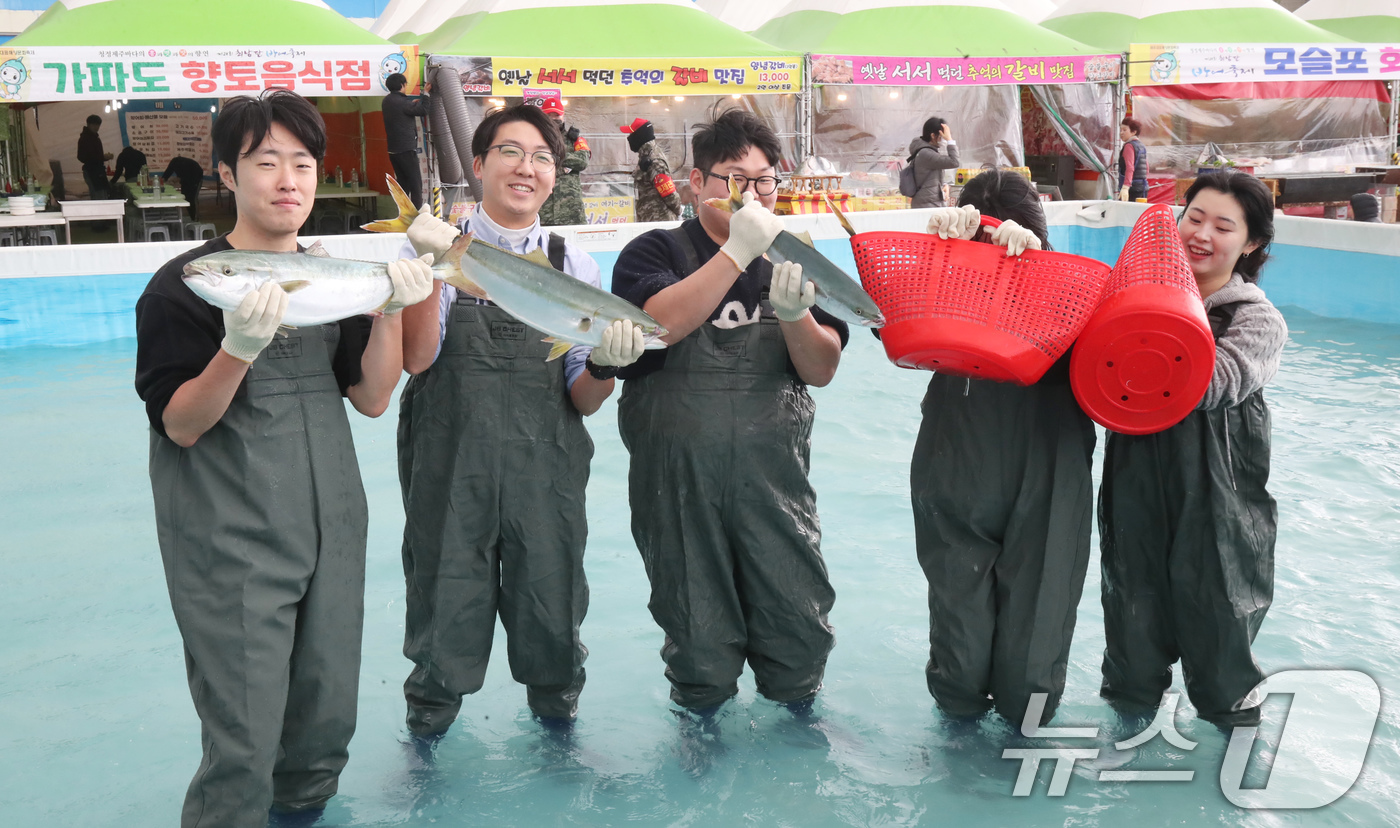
x,y
97,728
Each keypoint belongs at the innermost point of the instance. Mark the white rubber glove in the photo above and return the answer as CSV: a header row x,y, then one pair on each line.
x,y
954,222
413,282
790,294
751,230
430,234
1015,238
622,345
1123,194
250,327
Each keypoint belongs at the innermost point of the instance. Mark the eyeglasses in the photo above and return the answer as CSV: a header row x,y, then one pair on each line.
x,y
513,156
763,185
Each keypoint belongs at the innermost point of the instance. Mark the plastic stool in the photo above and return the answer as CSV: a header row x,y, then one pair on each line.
x,y
153,229
196,230
48,236
353,220
7,238
330,223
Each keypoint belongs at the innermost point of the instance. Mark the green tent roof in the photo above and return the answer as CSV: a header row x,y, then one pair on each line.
x,y
1104,24
193,23
632,30
918,31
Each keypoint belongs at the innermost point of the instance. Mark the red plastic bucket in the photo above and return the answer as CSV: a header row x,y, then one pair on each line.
x,y
1147,355
966,308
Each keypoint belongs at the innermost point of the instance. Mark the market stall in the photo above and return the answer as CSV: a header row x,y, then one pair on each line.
x,y
1271,92
880,68
155,71
663,60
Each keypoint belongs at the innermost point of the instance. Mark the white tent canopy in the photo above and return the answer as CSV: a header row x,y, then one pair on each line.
x,y
744,15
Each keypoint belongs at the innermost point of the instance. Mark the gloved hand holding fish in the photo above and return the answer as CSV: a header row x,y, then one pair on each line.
x,y
836,293
790,294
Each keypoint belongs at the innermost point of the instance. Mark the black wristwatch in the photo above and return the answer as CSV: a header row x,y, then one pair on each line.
x,y
600,372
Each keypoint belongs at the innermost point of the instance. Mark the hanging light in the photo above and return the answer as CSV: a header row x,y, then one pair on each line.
x,y
107,108
736,96
841,96
213,109
938,89
653,100
894,95
680,98
564,101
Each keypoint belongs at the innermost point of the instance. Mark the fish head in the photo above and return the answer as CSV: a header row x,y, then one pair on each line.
x,y
223,279
652,337
868,317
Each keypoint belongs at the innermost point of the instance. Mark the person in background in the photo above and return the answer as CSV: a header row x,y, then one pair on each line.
x,y
260,513
1132,162
1365,207
494,456
565,205
1186,523
191,177
931,153
657,199
401,134
719,429
1003,503
93,158
128,164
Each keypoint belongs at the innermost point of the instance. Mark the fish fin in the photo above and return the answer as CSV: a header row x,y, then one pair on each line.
x,y
396,225
558,349
538,257
460,281
283,330
806,238
736,195
294,285
318,249
407,212
840,216
722,204
454,254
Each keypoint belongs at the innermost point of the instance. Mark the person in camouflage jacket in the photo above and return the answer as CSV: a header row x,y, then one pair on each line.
x,y
657,199
565,204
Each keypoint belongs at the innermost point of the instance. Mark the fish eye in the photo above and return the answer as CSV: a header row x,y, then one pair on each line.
x,y
228,270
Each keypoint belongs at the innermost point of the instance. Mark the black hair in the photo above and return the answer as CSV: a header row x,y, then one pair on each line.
x,y
1007,195
1133,124
395,82
94,120
1256,201
729,138
245,119
485,135
932,128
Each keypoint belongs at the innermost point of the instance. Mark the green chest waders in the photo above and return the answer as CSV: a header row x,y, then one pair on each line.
x,y
494,461
262,532
724,516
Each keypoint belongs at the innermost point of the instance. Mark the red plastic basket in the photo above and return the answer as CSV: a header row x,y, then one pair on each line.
x,y
968,309
1147,355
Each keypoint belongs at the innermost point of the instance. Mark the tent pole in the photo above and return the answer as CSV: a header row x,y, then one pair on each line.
x,y
806,144
1394,120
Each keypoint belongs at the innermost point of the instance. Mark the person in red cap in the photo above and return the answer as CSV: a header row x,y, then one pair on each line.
x,y
657,199
565,204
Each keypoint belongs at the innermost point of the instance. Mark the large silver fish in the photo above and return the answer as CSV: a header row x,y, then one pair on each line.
x,y
528,287
320,289
837,294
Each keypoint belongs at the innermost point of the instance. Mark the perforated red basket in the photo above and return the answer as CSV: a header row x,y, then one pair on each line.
x,y
1146,357
966,308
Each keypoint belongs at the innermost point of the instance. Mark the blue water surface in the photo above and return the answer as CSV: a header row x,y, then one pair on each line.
x,y
97,728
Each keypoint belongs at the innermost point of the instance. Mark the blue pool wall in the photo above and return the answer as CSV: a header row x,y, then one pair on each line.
x,y
60,296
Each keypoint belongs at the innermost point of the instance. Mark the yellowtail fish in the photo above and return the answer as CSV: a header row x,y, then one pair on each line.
x,y
528,287
837,294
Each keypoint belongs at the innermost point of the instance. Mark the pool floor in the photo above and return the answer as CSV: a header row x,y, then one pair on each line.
x,y
97,728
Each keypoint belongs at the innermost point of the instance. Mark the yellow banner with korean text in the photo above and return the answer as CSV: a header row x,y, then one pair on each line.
x,y
612,77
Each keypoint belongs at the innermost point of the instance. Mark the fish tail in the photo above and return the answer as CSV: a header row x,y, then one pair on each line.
x,y
840,216
450,269
407,212
731,204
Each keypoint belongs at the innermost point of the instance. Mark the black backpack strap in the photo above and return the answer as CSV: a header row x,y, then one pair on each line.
x,y
692,257
1220,318
556,251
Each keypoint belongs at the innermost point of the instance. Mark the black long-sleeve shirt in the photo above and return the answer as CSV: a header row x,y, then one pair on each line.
x,y
400,129
90,152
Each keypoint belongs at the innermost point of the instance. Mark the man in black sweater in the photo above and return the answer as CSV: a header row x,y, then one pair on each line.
x,y
401,132
191,177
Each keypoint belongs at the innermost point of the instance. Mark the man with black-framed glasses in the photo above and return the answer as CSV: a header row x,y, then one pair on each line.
x,y
494,457
719,428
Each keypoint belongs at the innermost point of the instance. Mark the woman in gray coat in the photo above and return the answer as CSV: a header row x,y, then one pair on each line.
x,y
929,166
